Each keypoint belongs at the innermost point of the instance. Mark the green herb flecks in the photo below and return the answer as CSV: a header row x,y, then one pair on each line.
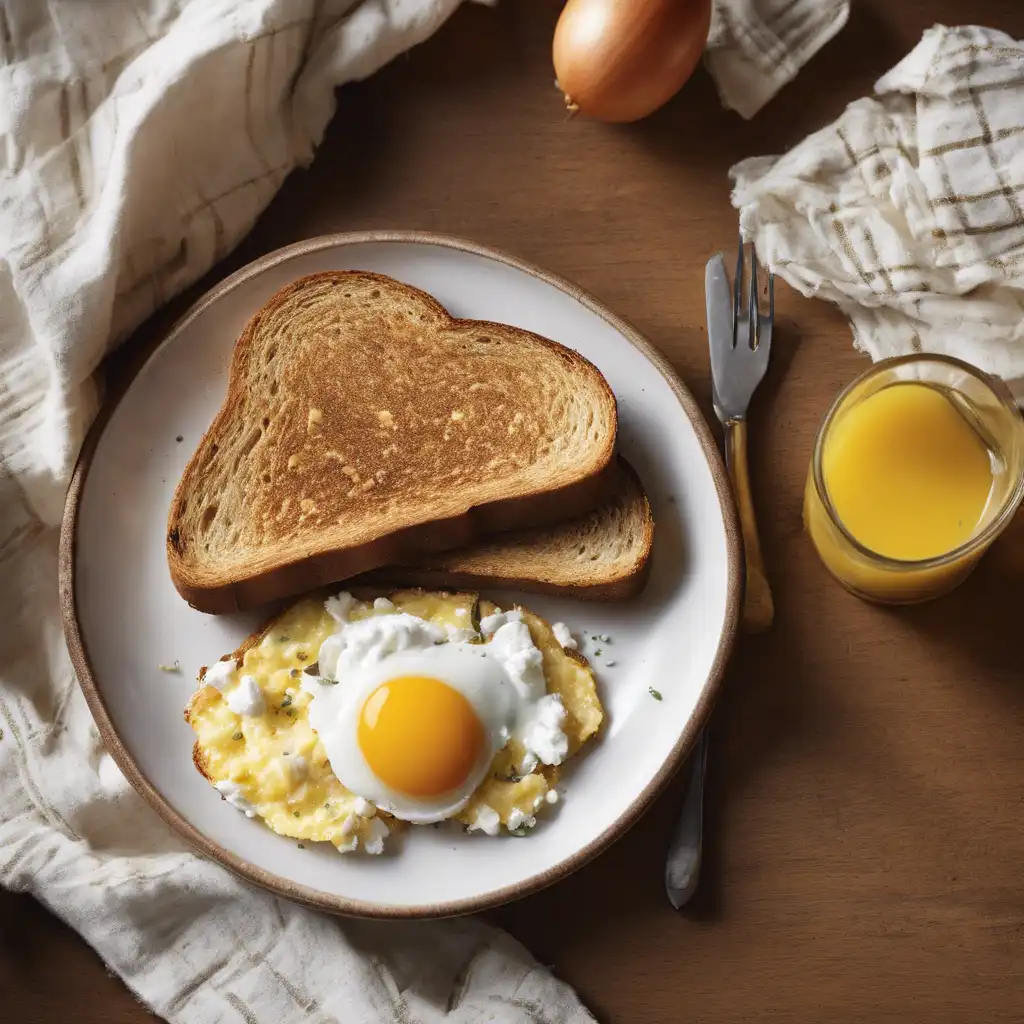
x,y
175,667
282,639
474,615
287,700
656,694
300,846
237,736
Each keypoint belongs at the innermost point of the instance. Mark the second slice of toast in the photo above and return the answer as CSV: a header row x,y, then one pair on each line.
x,y
365,426
602,556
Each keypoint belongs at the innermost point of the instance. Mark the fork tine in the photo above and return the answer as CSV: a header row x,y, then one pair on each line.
x,y
753,320
737,294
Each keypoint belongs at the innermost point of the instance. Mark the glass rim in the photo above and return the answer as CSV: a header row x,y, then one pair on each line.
x,y
979,540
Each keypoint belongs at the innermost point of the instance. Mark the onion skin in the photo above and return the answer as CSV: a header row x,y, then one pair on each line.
x,y
619,60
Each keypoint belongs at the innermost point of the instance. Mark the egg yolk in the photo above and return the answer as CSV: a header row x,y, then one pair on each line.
x,y
419,736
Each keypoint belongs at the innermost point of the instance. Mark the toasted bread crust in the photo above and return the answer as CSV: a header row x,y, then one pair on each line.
x,y
604,556
337,536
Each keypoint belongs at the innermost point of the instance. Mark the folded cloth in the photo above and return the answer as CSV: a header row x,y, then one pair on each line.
x,y
908,212
138,142
756,46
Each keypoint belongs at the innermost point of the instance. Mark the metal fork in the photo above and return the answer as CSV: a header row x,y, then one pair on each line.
x,y
740,340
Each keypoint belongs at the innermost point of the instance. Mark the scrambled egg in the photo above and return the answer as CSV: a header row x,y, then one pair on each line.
x,y
273,764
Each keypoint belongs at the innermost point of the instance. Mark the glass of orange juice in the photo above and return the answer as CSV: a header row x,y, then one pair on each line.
x,y
917,468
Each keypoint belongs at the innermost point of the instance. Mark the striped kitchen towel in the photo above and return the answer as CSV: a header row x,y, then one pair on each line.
x,y
908,212
756,46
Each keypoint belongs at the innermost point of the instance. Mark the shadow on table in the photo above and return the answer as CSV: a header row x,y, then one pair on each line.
x,y
743,695
770,697
981,622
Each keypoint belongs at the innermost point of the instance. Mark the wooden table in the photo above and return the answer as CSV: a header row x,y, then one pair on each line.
x,y
866,777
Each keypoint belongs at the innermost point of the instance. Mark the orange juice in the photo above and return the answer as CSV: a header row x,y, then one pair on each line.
x,y
917,468
908,475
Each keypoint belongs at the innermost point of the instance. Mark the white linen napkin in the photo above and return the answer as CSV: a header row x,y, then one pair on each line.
x,y
138,142
908,212
756,46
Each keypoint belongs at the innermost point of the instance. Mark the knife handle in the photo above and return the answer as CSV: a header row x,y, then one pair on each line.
x,y
758,606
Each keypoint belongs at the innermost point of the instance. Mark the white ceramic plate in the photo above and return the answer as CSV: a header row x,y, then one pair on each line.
x,y
124,618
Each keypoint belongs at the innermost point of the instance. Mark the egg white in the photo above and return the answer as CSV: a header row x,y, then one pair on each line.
x,y
335,711
503,681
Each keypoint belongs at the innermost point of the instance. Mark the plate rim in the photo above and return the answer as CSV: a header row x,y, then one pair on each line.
x,y
278,884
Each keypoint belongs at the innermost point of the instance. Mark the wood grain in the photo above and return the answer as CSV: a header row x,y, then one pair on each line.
x,y
865,774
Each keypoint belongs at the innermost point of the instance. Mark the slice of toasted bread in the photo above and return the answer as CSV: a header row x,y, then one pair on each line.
x,y
363,425
603,556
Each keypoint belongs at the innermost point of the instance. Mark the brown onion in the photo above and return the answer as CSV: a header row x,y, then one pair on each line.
x,y
619,60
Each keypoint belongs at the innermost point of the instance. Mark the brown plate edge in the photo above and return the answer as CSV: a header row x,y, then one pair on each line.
x,y
313,897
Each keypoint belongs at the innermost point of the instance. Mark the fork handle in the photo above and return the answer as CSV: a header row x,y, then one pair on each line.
x,y
758,606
